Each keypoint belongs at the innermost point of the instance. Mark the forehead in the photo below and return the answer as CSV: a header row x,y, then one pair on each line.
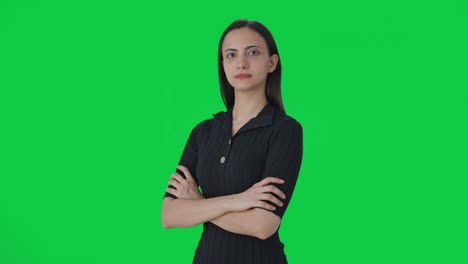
x,y
243,37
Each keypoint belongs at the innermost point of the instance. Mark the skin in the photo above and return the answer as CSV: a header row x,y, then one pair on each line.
x,y
245,52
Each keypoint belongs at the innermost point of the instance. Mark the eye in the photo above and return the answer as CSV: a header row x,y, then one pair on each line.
x,y
253,52
230,55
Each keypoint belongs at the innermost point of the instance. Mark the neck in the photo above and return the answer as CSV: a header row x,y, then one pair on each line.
x,y
248,105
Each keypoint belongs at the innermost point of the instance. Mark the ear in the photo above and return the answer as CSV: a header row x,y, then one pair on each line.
x,y
273,63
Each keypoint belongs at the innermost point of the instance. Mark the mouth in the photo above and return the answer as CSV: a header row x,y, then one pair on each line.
x,y
242,76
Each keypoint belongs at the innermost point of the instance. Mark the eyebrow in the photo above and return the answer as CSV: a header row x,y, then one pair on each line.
x,y
248,47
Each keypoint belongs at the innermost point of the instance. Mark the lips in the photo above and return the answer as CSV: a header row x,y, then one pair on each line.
x,y
242,76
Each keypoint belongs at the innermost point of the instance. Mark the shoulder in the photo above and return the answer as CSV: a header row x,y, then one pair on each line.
x,y
204,123
286,135
283,123
212,123
201,125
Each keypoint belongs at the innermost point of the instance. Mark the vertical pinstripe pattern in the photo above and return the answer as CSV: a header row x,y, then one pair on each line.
x,y
268,145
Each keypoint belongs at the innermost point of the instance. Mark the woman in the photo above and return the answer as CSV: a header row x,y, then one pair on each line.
x,y
245,160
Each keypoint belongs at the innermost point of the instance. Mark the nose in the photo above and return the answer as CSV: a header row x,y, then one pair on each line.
x,y
242,63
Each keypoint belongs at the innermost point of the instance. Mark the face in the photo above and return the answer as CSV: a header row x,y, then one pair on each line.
x,y
246,60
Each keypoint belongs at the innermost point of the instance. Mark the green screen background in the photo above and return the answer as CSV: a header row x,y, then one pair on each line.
x,y
97,99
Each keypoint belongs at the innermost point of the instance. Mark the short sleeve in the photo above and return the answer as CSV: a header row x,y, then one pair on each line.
x,y
284,159
189,156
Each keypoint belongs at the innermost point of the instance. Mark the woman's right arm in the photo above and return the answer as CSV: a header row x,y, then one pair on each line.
x,y
191,212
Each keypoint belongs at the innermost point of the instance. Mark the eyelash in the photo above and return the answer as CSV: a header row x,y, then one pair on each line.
x,y
232,53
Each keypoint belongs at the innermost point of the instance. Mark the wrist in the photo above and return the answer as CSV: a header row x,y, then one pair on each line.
x,y
229,202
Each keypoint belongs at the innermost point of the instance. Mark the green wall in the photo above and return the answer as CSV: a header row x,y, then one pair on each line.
x,y
97,99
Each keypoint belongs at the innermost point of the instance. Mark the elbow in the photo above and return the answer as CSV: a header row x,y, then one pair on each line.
x,y
264,234
165,222
267,225
166,225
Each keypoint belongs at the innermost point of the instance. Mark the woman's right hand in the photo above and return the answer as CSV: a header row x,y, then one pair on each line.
x,y
258,194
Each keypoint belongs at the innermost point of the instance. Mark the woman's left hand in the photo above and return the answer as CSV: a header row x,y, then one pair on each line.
x,y
184,188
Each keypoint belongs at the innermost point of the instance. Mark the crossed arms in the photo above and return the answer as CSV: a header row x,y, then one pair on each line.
x,y
245,213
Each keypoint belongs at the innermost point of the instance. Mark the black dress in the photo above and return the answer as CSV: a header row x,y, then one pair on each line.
x,y
268,145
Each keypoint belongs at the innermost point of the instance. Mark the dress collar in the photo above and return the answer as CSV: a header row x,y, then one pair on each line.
x,y
263,119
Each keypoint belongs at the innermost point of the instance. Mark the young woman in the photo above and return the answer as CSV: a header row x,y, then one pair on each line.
x,y
246,160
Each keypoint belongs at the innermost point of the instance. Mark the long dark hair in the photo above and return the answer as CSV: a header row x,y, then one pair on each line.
x,y
273,83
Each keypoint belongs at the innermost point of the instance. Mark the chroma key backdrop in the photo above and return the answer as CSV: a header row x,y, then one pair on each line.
x,y
97,100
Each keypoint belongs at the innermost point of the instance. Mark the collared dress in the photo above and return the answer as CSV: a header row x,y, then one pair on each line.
x,y
269,144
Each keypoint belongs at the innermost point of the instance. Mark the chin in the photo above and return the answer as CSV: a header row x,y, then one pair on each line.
x,y
242,87
245,87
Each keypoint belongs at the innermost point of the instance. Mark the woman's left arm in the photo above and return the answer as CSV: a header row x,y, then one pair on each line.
x,y
254,222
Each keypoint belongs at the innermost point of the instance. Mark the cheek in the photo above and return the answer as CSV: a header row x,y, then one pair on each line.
x,y
225,66
261,64
260,67
228,68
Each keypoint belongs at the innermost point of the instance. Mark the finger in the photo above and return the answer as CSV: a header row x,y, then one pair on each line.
x,y
186,172
175,184
271,198
178,178
172,191
269,180
265,205
272,189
